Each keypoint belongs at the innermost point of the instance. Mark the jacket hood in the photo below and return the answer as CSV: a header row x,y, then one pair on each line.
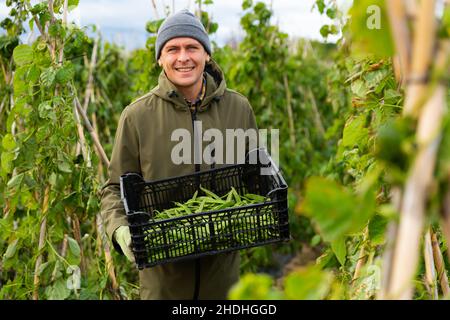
x,y
215,88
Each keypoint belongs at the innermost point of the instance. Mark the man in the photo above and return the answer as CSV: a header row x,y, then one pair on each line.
x,y
190,88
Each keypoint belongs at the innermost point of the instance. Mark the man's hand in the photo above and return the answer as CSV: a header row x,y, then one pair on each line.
x,y
123,238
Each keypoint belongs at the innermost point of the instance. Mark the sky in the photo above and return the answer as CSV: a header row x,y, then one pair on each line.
x,y
123,21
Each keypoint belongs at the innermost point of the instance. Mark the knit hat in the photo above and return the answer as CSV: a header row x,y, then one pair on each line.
x,y
182,24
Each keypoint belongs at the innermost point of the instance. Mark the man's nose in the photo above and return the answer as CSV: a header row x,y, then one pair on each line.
x,y
183,56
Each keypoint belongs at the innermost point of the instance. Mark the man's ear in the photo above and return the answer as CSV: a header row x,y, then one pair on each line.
x,y
208,58
159,62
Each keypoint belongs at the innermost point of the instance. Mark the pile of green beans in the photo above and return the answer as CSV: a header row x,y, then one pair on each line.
x,y
209,202
180,237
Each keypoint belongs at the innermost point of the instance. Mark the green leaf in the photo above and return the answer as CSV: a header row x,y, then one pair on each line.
x,y
64,166
46,111
307,283
58,291
391,95
316,240
7,159
153,26
74,247
19,83
33,74
339,249
377,229
72,4
254,287
8,142
65,74
355,133
11,250
335,210
48,76
370,29
331,13
330,205
320,5
325,30
394,139
39,7
15,181
23,54
359,88
444,30
42,267
246,4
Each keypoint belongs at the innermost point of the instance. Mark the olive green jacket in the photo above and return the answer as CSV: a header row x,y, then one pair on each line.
x,y
143,144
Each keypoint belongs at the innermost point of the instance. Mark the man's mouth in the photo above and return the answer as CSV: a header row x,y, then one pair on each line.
x,y
184,69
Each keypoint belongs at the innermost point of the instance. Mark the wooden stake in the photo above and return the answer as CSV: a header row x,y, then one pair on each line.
x,y
424,40
440,265
42,235
100,151
290,113
413,208
77,235
90,81
64,22
362,256
317,118
108,258
445,216
401,35
391,235
82,139
155,9
100,165
430,270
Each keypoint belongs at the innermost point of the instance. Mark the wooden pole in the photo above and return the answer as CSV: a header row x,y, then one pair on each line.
x,y
100,151
414,202
42,235
391,235
424,40
317,118
362,256
108,258
290,113
430,270
440,265
401,36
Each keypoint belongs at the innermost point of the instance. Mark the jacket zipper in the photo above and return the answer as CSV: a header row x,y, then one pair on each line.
x,y
197,169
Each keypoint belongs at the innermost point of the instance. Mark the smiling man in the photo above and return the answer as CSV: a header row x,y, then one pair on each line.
x,y
191,89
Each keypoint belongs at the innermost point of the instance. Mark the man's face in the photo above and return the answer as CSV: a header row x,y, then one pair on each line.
x,y
183,60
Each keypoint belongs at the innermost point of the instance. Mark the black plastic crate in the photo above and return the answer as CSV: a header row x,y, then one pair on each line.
x,y
160,241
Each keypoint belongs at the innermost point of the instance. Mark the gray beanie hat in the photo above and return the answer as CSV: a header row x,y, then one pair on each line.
x,y
182,24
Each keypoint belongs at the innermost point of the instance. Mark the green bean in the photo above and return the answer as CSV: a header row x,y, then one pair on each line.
x,y
210,193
